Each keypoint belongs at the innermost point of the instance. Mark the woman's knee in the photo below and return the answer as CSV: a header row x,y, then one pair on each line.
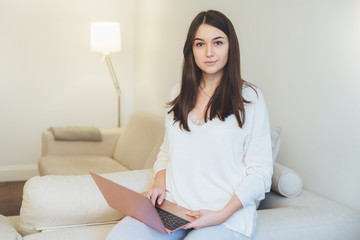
x,y
125,229
218,232
130,228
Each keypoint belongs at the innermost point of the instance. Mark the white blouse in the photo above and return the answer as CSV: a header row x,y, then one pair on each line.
x,y
215,160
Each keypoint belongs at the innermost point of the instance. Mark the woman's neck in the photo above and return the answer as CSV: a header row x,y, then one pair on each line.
x,y
210,82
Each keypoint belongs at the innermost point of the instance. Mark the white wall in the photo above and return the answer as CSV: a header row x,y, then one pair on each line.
x,y
49,76
304,55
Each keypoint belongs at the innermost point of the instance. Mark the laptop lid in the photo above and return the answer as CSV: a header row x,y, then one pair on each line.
x,y
129,202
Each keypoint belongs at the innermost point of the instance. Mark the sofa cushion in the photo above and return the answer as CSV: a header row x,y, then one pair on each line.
x,y
78,233
7,230
138,140
286,181
78,165
308,216
63,201
14,220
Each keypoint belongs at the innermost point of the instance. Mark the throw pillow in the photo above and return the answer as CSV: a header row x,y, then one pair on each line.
x,y
286,181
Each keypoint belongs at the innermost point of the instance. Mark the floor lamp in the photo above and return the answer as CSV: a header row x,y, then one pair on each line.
x,y
105,38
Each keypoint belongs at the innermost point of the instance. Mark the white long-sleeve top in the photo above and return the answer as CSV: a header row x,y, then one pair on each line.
x,y
208,165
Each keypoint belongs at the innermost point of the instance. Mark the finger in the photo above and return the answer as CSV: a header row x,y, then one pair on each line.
x,y
161,198
193,224
193,213
148,194
188,226
154,196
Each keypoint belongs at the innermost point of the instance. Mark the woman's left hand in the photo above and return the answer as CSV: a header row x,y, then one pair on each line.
x,y
205,218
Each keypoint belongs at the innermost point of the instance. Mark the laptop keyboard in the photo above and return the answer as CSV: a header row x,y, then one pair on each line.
x,y
170,220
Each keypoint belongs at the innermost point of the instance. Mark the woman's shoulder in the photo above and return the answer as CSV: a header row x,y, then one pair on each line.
x,y
251,93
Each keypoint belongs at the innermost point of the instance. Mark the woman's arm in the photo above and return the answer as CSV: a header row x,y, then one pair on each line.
x,y
257,159
233,206
158,189
159,186
205,218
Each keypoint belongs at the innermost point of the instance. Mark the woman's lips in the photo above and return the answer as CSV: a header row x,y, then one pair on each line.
x,y
210,63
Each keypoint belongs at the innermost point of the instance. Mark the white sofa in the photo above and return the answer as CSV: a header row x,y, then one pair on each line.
x,y
72,207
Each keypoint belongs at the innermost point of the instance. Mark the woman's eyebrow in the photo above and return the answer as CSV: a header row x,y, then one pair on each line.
x,y
218,38
200,39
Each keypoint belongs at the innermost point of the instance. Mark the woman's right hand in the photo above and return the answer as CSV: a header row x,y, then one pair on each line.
x,y
157,192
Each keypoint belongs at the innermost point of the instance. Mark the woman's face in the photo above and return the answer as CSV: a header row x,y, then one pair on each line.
x,y
211,47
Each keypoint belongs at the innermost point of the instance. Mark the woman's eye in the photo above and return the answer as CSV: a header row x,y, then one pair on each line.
x,y
218,43
199,44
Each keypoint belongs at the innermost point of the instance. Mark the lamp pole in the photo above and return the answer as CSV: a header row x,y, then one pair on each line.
x,y
116,83
105,37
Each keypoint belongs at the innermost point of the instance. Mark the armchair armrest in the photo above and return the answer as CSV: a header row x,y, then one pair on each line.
x,y
56,202
103,148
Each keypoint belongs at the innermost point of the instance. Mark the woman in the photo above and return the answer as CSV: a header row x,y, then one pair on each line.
x,y
216,156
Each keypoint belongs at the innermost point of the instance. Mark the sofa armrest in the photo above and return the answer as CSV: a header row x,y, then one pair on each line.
x,y
103,148
7,230
63,201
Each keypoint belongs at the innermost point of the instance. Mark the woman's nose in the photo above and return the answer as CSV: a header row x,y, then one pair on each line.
x,y
209,50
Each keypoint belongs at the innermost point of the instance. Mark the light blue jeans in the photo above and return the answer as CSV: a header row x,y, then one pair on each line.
x,y
130,228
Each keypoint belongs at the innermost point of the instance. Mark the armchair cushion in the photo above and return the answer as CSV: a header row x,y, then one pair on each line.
x,y
142,134
78,165
91,134
63,201
105,147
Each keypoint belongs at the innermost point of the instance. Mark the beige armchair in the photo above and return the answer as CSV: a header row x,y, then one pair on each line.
x,y
133,147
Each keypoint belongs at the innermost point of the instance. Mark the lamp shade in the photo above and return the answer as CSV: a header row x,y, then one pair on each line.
x,y
105,37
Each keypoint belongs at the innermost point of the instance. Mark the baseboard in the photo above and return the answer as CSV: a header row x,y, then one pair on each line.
x,y
12,173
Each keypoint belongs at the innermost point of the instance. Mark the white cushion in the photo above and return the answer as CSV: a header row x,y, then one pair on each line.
x,y
286,181
62,201
78,233
306,217
142,134
275,141
78,165
7,230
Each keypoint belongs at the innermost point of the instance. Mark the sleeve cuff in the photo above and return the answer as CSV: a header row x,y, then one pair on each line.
x,y
250,190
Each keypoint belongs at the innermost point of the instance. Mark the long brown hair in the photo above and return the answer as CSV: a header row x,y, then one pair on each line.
x,y
227,98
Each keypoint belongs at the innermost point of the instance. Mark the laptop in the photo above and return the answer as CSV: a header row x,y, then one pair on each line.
x,y
167,217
